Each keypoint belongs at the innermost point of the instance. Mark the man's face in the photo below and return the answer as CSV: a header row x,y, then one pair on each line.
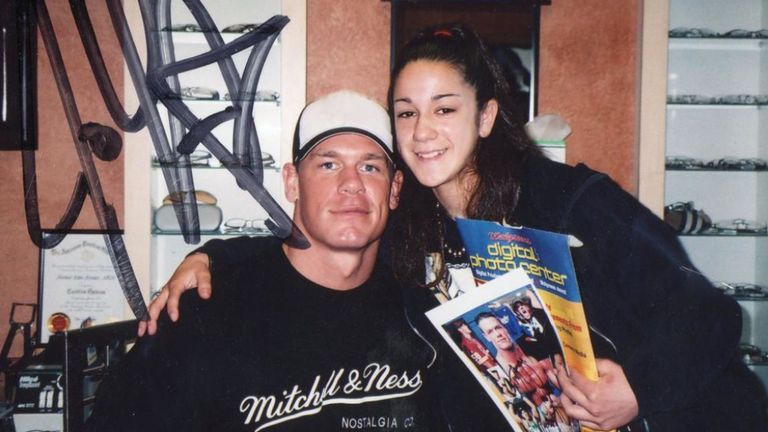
x,y
496,333
343,191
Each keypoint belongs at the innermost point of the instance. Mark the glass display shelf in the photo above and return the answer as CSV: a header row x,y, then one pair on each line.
x,y
198,37
718,38
749,299
715,106
717,43
720,106
732,170
753,355
219,233
740,291
156,165
724,234
224,101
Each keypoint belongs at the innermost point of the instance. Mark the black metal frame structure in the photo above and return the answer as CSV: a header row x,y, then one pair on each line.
x,y
18,80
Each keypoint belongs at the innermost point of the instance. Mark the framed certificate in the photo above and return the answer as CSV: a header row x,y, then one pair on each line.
x,y
78,285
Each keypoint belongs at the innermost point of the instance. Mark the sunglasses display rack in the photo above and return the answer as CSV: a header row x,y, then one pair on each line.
x,y
224,209
716,178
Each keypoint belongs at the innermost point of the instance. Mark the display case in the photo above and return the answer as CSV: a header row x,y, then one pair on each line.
x,y
716,150
156,244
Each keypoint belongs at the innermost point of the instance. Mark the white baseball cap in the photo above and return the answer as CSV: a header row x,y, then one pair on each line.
x,y
338,113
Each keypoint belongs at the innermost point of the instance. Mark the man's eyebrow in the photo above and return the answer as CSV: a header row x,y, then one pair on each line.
x,y
375,156
335,154
324,153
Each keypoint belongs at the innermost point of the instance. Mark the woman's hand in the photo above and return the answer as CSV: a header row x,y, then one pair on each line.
x,y
605,404
193,272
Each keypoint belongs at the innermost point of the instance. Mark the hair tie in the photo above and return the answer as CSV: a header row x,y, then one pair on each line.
x,y
442,32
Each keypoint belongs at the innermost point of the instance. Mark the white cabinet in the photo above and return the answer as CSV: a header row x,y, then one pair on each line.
x,y
717,108
154,248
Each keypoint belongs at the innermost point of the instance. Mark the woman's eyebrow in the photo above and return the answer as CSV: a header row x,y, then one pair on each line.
x,y
445,95
434,98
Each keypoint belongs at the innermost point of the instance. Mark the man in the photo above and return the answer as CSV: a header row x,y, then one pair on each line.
x,y
473,348
527,373
297,339
538,338
480,355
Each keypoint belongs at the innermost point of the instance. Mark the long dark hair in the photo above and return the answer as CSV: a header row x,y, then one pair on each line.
x,y
497,159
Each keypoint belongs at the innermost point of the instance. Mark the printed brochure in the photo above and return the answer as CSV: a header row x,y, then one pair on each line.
x,y
504,336
542,315
495,249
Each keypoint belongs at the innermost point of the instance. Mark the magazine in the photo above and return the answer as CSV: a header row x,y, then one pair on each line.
x,y
494,249
480,327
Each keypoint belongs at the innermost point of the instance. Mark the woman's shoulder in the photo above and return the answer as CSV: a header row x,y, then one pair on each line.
x,y
560,196
550,189
544,173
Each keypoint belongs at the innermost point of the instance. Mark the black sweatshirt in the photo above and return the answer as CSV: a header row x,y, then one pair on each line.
x,y
273,351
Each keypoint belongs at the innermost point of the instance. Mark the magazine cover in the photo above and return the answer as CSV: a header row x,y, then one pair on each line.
x,y
494,249
480,327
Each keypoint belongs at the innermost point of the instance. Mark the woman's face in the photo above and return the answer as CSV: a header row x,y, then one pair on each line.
x,y
437,123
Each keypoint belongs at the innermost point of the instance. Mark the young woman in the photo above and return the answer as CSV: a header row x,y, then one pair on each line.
x,y
463,153
673,337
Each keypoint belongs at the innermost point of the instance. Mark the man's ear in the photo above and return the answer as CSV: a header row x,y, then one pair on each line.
x,y
291,182
394,190
487,118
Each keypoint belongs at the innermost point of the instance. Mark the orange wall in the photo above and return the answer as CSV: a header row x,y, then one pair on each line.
x,y
589,71
57,161
588,74
348,47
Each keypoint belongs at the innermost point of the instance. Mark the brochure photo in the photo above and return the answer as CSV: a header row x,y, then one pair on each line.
x,y
545,256
504,335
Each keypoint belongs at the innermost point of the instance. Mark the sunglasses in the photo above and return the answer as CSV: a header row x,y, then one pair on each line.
x,y
246,226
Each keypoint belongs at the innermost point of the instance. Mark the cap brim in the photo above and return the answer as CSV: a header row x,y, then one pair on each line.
x,y
311,144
